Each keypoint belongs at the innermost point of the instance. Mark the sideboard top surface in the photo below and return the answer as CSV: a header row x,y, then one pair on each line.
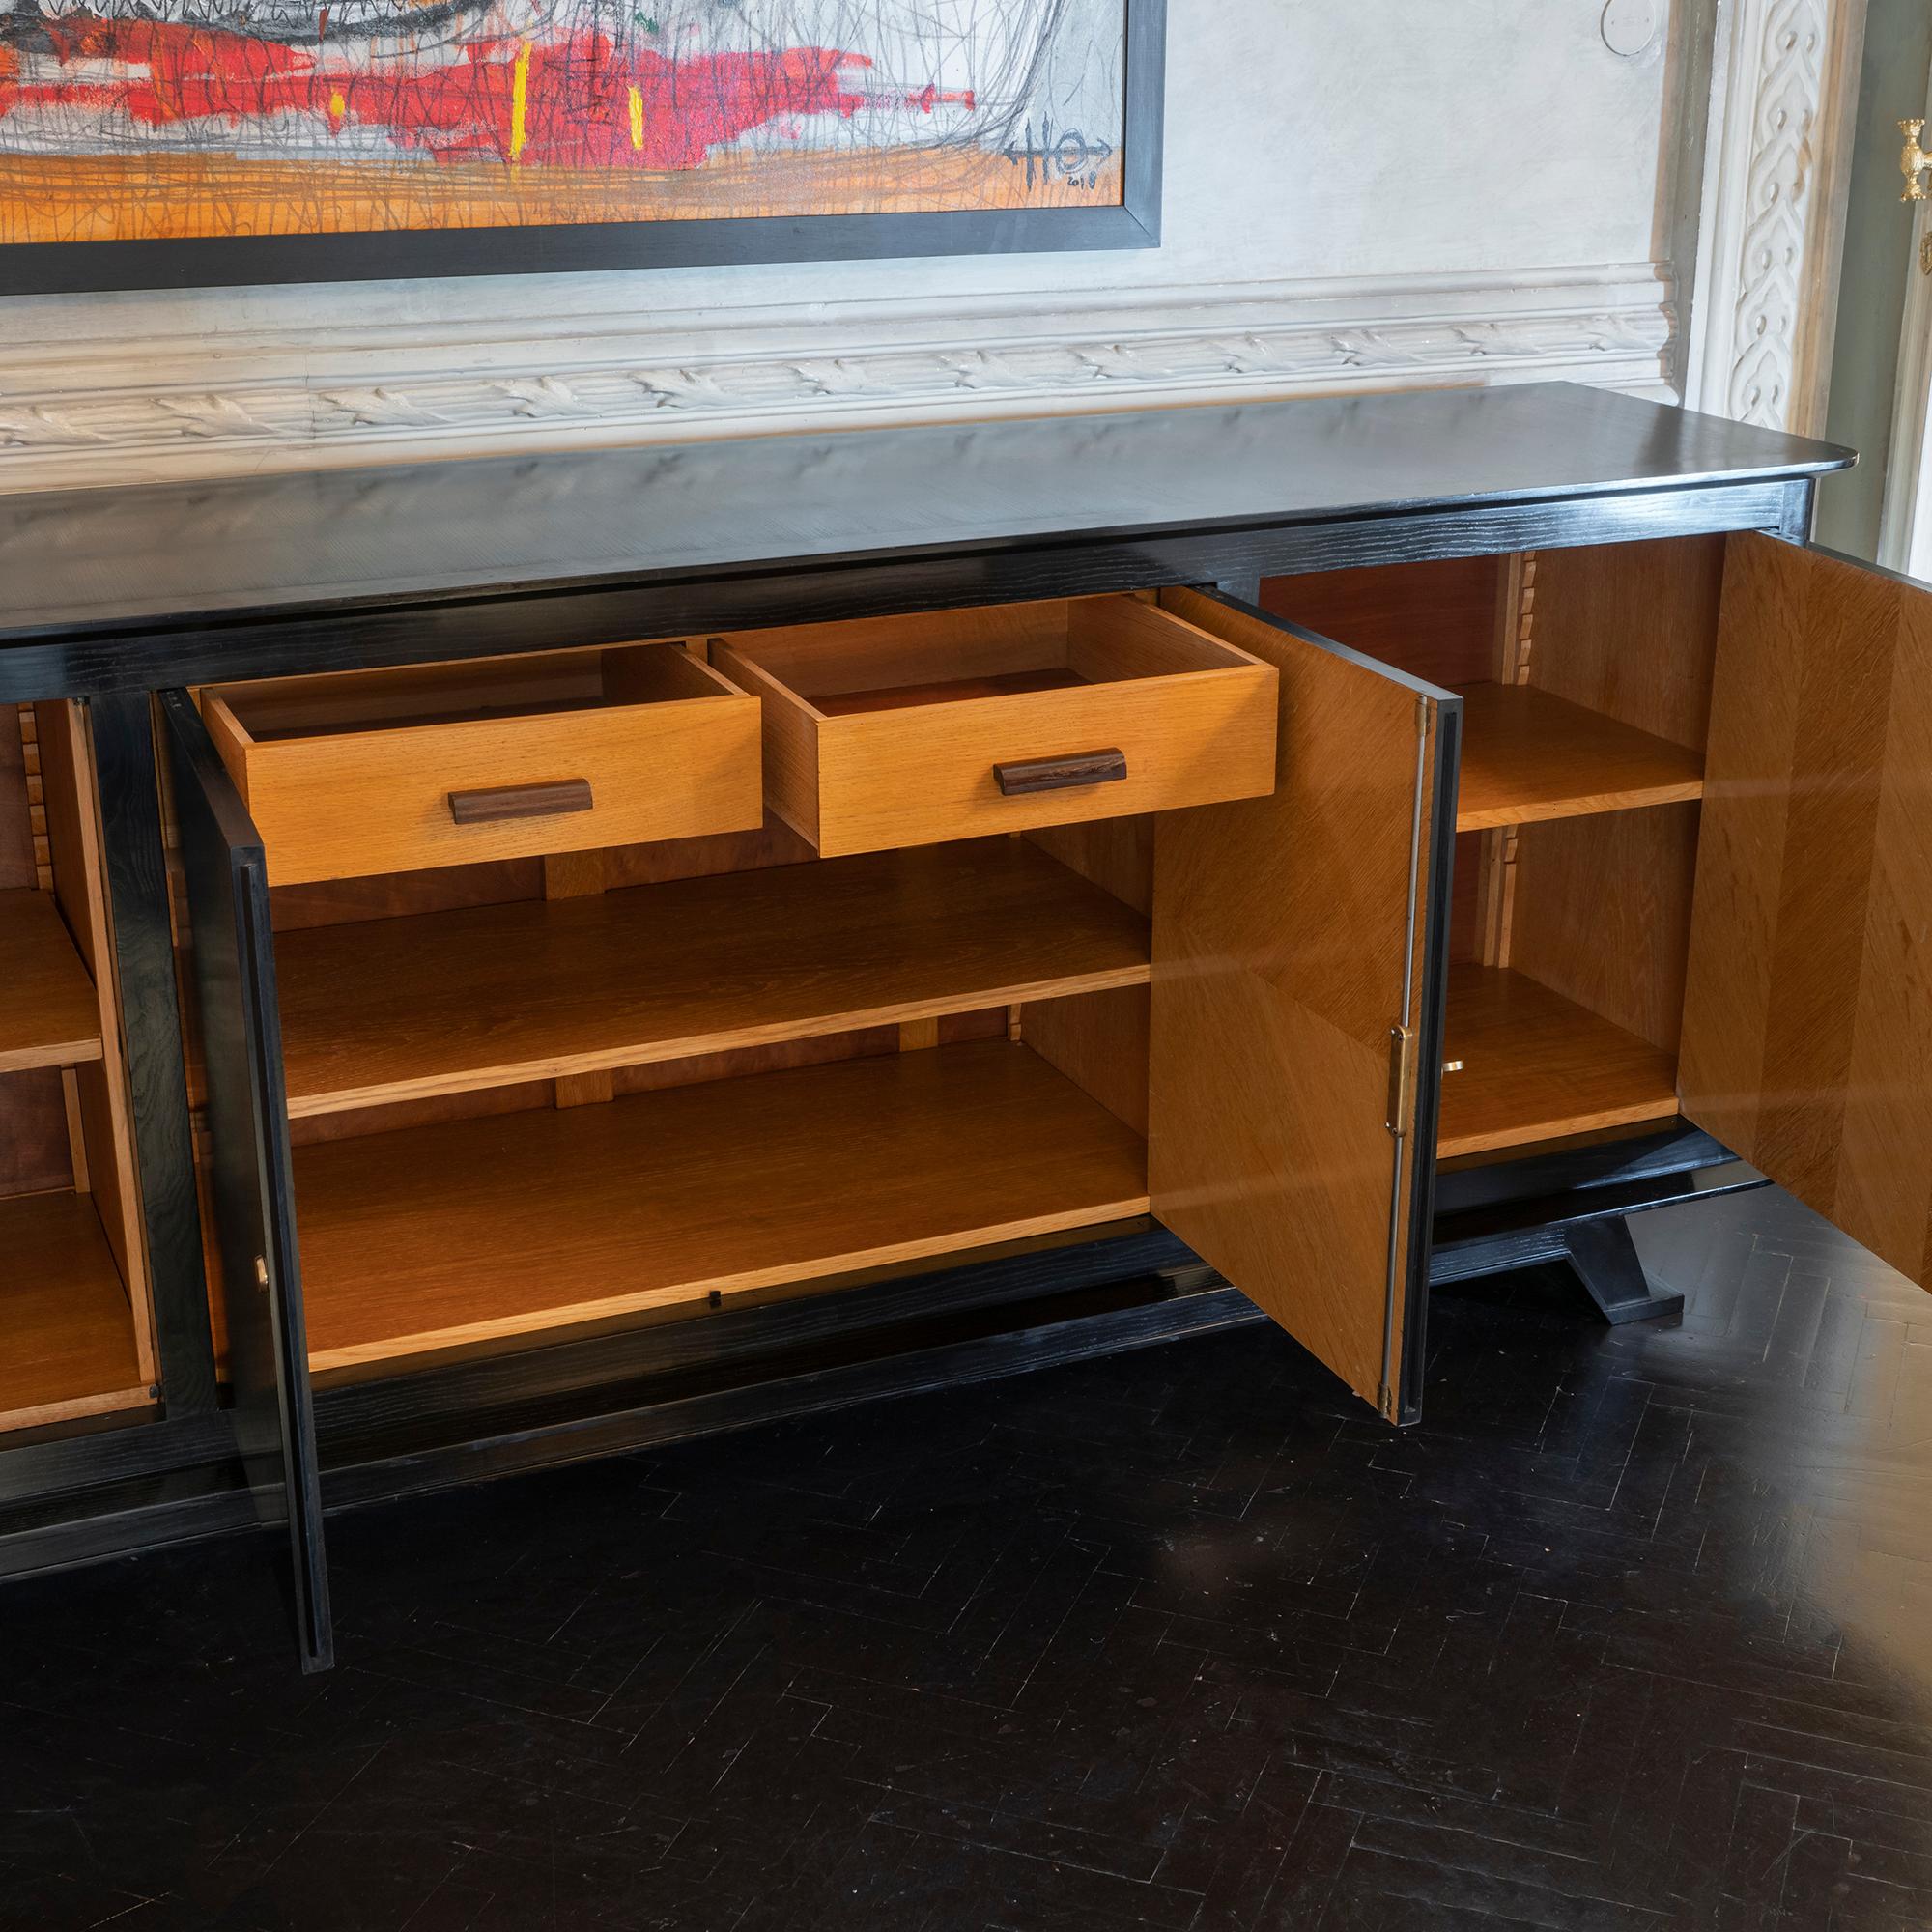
x,y
173,556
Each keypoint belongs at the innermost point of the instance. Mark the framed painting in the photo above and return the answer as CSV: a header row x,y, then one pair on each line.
x,y
180,143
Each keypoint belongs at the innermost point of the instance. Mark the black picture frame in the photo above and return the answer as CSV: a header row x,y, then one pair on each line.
x,y
82,267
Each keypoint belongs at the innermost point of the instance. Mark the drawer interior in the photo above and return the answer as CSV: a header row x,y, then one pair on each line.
x,y
274,710
891,663
75,1319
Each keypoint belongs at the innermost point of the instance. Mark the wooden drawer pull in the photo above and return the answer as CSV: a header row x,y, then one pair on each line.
x,y
1078,768
525,801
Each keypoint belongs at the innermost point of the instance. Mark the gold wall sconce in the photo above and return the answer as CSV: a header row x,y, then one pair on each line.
x,y
1914,162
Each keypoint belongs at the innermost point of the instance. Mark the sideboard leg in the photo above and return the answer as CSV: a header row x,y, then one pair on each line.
x,y
1606,1263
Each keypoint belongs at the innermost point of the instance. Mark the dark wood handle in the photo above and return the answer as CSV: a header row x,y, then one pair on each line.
x,y
528,801
1077,768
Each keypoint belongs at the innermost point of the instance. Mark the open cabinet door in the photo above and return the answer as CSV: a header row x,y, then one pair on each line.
x,y
1808,1019
1300,967
240,1031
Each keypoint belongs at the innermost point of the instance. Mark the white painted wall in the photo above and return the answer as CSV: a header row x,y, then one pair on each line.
x,y
1358,192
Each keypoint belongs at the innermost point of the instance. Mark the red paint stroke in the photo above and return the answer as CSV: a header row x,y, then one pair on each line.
x,y
576,93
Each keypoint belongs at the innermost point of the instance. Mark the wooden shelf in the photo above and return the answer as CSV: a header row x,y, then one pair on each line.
x,y
69,1347
434,1236
1536,1065
401,1009
50,1015
1529,756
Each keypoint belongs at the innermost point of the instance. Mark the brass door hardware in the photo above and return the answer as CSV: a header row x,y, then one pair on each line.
x,y
1402,1043
1913,161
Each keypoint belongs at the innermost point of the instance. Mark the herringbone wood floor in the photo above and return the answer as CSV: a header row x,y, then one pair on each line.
x,y
1635,1632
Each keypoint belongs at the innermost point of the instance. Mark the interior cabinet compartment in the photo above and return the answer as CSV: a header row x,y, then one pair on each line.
x,y
1565,984
458,1233
1527,1065
75,1325
1584,675
909,730
362,772
50,1016
1528,754
557,988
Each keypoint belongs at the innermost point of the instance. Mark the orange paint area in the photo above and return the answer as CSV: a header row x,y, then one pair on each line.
x,y
496,132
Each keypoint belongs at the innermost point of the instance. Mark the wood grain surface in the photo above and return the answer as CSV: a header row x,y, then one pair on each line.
x,y
1807,1020
1601,913
1279,954
1437,620
49,1014
1529,756
102,1090
68,1343
441,1236
1536,1065
1193,716
402,1009
346,783
1630,629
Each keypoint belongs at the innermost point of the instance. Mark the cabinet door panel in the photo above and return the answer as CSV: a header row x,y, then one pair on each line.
x,y
1292,1133
240,1035
1807,1025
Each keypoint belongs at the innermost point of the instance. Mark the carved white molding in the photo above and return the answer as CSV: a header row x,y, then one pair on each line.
x,y
1783,95
112,410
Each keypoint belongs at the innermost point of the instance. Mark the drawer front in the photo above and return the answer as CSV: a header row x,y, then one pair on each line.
x,y
342,807
868,781
914,776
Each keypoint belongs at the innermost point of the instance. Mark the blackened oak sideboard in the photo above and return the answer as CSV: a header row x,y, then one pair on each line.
x,y
505,961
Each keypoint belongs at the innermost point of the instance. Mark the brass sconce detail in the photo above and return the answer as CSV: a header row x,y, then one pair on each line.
x,y
1914,162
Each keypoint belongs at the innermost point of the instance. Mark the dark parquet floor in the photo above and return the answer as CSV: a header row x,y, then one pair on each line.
x,y
1635,1633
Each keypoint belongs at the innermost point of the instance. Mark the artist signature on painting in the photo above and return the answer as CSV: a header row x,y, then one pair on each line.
x,y
1068,156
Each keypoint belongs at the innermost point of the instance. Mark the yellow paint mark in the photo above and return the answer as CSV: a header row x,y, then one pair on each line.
x,y
636,119
337,106
520,88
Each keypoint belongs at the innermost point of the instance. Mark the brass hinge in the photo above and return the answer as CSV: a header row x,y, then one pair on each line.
x,y
1402,1050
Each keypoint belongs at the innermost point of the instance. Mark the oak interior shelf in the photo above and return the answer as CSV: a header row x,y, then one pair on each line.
x,y
430,1237
66,1334
1536,1065
49,1013
1529,756
444,1002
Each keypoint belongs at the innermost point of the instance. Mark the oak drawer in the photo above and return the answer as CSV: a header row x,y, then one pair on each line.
x,y
908,730
361,772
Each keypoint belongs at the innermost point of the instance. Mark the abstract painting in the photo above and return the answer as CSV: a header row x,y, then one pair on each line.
x,y
197,121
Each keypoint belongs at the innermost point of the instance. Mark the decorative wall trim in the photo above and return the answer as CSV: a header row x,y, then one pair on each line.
x,y
118,412
1784,92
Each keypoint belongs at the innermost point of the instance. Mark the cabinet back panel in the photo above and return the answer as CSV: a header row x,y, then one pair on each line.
x,y
1437,620
1465,899
1630,629
398,894
1099,1041
736,1064
33,1133
1602,914
504,882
